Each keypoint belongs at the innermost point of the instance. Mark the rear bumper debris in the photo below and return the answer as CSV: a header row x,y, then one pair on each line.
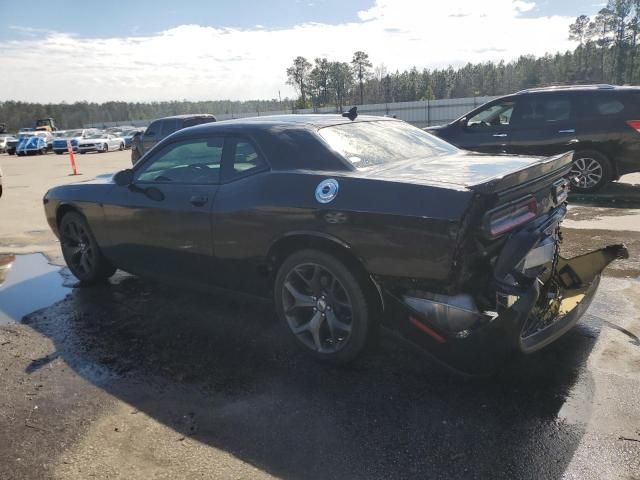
x,y
481,347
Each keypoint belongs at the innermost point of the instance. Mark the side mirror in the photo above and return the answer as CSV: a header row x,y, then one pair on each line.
x,y
463,122
123,178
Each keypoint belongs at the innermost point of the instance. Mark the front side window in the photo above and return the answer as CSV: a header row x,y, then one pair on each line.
x,y
498,115
195,161
152,129
365,144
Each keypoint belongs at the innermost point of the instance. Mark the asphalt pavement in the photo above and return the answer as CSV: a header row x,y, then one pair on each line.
x,y
137,380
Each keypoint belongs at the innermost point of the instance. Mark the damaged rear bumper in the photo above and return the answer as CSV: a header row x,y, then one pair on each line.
x,y
518,326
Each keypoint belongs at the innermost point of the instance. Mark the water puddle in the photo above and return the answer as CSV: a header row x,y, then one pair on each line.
x,y
28,283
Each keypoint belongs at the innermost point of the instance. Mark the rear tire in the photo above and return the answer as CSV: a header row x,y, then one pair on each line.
x,y
590,172
121,147
81,251
323,305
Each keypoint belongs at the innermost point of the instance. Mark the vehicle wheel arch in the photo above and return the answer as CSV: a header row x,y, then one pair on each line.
x,y
295,241
65,208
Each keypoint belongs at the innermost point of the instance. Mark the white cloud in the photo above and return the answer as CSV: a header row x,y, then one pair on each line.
x,y
198,62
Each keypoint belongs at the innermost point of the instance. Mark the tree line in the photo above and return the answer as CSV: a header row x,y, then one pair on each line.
x,y
607,51
73,115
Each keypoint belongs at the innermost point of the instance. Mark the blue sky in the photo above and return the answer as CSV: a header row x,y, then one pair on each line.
x,y
145,17
161,50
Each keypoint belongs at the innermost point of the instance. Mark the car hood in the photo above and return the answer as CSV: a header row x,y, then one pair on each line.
x,y
467,170
92,140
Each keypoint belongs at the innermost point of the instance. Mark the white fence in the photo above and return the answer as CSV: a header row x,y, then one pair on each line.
x,y
421,113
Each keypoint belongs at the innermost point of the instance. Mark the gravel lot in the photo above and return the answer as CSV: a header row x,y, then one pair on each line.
x,y
136,380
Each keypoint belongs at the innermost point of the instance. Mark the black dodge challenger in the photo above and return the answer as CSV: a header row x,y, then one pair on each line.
x,y
347,223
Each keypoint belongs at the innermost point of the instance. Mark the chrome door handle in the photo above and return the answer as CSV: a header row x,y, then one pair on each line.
x,y
198,200
499,134
568,130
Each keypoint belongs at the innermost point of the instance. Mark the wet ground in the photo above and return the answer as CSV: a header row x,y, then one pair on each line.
x,y
138,380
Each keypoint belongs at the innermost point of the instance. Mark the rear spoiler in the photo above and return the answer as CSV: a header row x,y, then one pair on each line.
x,y
558,165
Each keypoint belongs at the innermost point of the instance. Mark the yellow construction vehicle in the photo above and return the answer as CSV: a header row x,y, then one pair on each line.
x,y
46,124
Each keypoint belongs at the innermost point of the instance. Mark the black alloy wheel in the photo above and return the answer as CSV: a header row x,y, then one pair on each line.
x,y
81,251
323,305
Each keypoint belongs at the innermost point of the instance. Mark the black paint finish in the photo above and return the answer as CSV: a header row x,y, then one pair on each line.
x,y
405,223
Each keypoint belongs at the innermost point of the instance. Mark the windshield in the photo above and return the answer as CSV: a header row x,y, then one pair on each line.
x,y
96,135
366,144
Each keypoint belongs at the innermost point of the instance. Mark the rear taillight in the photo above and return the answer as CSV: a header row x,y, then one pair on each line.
x,y
507,218
635,124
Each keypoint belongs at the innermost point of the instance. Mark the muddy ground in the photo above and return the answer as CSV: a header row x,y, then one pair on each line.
x,y
139,380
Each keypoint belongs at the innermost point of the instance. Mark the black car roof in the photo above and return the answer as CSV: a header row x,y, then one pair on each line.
x,y
311,120
579,88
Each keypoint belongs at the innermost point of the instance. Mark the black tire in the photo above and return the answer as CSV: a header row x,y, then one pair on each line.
x,y
82,153
121,147
58,153
11,153
334,347
105,148
81,251
590,172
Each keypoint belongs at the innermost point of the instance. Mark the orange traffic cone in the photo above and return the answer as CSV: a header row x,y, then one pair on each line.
x,y
72,158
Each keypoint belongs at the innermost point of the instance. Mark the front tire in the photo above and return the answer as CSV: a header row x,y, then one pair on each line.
x,y
324,306
81,251
105,148
121,147
590,171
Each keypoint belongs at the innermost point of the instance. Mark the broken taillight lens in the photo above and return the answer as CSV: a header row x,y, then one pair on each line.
x,y
508,218
635,124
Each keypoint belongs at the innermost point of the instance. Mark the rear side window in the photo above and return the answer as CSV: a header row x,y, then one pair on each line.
x,y
190,122
540,110
600,105
246,157
609,107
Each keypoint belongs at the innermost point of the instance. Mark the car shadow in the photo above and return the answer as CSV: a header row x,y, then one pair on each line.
x,y
223,372
618,194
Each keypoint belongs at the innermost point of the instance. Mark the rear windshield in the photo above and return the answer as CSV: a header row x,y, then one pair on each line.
x,y
366,144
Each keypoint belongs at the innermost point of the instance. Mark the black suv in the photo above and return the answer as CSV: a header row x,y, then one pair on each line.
x,y
600,123
163,127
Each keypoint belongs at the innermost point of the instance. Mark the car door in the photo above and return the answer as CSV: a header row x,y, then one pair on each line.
x,y
160,224
151,135
544,124
114,142
488,129
242,222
